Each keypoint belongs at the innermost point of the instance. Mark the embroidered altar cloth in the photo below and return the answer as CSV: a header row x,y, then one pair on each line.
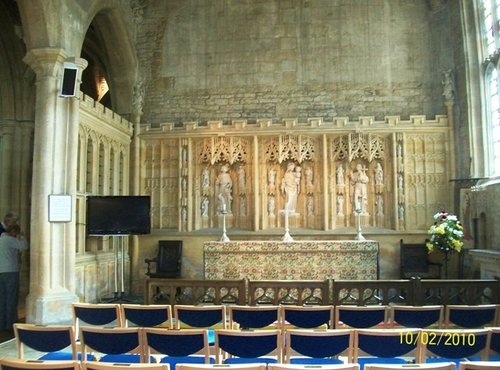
x,y
299,260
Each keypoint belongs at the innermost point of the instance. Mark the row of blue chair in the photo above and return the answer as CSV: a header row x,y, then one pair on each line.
x,y
14,364
302,346
253,317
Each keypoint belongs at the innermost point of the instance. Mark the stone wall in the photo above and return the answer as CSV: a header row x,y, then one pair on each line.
x,y
278,59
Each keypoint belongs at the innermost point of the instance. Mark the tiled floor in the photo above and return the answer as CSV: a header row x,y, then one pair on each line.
x,y
8,348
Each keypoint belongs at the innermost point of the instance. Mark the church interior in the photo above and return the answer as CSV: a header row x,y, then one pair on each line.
x,y
274,140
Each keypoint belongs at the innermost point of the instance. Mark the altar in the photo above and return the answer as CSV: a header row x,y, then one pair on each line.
x,y
298,260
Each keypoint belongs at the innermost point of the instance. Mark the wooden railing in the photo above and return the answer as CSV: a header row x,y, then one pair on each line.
x,y
322,292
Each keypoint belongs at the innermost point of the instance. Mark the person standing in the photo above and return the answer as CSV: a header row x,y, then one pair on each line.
x,y
10,219
11,242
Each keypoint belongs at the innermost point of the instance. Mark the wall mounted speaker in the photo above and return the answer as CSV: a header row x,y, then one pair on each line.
x,y
68,85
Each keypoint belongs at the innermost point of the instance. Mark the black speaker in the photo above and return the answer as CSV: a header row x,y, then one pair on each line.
x,y
68,85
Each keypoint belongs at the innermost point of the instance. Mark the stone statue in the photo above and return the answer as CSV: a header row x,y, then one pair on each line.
x,y
271,179
310,206
224,189
138,97
340,175
448,86
298,176
379,174
289,187
184,184
380,205
309,177
359,189
271,206
204,206
205,178
340,205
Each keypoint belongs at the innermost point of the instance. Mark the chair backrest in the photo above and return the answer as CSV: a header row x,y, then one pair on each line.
x,y
176,343
308,317
318,343
386,343
309,367
479,365
475,316
247,344
96,365
146,315
454,343
494,349
96,314
360,316
20,364
416,316
47,339
114,344
439,366
254,317
199,316
218,366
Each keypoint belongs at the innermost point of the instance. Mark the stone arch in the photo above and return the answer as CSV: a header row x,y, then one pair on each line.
x,y
65,26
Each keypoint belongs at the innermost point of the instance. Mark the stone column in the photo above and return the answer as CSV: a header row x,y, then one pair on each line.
x,y
52,277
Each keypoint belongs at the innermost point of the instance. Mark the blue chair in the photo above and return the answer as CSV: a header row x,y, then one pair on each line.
x,y
146,315
317,347
416,316
57,342
19,364
119,345
494,350
96,314
254,317
441,366
479,365
217,367
454,345
361,317
386,346
315,367
95,365
177,346
248,346
470,317
308,317
208,317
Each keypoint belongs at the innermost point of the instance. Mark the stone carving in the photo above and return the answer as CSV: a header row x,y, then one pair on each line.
x,y
448,83
271,206
309,180
204,206
379,203
289,187
340,175
340,205
379,174
271,180
224,189
241,179
310,206
359,189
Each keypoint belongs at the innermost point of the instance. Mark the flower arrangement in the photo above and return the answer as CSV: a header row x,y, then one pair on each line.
x,y
446,234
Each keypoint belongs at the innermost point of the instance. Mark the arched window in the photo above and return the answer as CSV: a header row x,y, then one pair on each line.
x,y
489,12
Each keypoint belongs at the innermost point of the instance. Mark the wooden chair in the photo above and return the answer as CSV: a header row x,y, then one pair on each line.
x,y
386,346
254,317
95,365
416,316
309,367
317,347
216,367
21,364
96,314
471,316
308,317
248,346
414,262
208,317
453,345
147,315
441,366
479,365
56,342
120,345
177,346
361,317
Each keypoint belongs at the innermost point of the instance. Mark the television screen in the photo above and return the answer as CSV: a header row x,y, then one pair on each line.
x,y
118,215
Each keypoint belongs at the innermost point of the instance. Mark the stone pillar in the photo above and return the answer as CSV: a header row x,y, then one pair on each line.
x,y
52,277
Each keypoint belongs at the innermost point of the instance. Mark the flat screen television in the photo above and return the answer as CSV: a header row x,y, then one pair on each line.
x,y
118,215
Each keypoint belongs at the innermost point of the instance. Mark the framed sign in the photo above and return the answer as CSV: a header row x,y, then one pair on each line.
x,y
60,208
